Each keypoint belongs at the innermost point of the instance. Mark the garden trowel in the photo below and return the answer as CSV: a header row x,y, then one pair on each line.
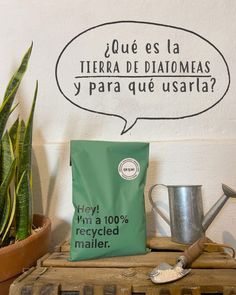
x,y
165,273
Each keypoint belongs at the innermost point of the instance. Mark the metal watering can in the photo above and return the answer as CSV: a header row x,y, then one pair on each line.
x,y
187,221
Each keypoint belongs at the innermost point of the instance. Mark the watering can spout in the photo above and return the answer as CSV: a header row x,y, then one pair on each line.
x,y
211,214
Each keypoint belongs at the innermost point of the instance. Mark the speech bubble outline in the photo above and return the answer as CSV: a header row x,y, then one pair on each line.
x,y
127,125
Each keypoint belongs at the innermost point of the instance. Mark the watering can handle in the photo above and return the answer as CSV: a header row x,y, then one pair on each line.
x,y
154,207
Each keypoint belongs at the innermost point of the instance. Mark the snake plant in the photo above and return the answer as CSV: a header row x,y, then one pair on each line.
x,y
15,164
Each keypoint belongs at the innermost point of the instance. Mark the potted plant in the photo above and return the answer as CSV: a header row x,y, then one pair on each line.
x,y
24,237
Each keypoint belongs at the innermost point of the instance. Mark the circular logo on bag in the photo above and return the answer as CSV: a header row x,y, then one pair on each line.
x,y
129,168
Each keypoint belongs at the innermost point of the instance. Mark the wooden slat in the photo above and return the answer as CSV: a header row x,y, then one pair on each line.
x,y
45,288
41,259
109,281
229,290
88,290
157,243
191,291
124,290
152,259
151,291
165,243
26,290
16,286
129,274
65,247
98,289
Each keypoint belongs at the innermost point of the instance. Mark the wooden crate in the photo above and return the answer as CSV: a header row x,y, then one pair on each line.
x,y
214,272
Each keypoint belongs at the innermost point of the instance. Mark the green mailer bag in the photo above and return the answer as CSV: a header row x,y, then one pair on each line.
x,y
108,181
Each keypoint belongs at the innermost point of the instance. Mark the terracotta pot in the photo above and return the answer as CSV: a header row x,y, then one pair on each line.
x,y
15,258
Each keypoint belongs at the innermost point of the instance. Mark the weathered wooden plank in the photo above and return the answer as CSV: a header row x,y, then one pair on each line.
x,y
41,259
16,286
112,281
157,243
98,289
88,290
151,291
152,259
124,290
165,243
45,288
190,291
229,290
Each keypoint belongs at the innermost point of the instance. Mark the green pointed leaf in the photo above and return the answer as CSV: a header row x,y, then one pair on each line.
x,y
7,155
30,212
15,164
5,111
10,220
23,194
26,150
13,109
5,186
18,75
6,107
19,147
13,133
6,213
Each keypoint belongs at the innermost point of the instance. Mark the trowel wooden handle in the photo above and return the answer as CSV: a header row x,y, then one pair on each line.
x,y
195,250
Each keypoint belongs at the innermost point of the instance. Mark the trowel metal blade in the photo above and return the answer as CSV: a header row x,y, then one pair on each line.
x,y
164,266
161,276
161,266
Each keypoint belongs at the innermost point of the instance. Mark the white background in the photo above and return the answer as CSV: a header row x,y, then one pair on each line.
x,y
198,150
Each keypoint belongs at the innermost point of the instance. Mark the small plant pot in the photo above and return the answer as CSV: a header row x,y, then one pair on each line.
x,y
23,254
